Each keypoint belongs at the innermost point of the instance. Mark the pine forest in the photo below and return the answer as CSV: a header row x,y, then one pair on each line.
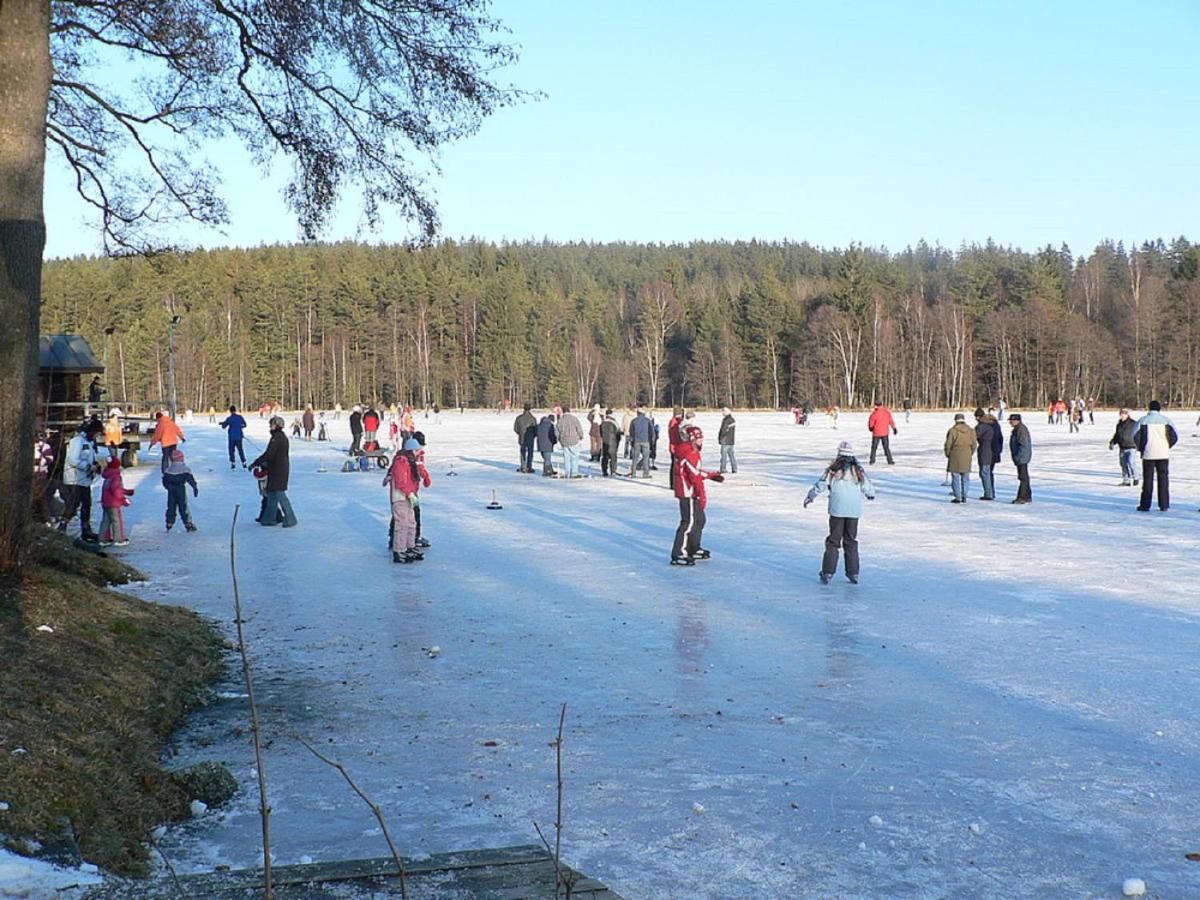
x,y
747,324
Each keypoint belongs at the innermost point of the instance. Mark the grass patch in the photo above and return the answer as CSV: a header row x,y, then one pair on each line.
x,y
92,705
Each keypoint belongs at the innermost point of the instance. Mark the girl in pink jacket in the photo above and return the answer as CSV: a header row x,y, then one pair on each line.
x,y
404,481
114,497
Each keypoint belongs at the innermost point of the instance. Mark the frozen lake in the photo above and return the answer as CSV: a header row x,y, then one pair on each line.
x,y
734,728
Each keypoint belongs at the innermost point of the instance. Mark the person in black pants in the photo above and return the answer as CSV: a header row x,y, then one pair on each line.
x,y
356,430
1155,436
1020,444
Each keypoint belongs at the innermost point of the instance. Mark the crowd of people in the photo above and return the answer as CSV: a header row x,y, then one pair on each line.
x,y
616,439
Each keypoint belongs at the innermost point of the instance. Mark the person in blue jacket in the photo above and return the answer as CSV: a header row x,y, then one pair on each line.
x,y
236,426
846,483
1020,445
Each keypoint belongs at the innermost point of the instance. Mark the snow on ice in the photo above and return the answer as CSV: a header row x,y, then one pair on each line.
x,y
1004,664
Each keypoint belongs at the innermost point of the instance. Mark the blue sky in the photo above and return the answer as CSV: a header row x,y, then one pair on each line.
x,y
877,122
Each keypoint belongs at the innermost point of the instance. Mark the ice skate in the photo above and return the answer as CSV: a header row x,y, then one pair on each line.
x,y
825,577
682,561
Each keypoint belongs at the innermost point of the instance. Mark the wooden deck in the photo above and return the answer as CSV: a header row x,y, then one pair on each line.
x,y
505,873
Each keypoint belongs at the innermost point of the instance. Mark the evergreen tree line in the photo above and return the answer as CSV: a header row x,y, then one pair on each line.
x,y
702,324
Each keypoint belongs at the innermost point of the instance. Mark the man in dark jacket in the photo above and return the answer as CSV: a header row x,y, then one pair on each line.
x,y
525,427
1125,438
991,448
610,437
725,437
356,430
1020,445
547,437
641,431
275,460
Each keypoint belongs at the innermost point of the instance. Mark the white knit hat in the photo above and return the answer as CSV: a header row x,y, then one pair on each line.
x,y
845,448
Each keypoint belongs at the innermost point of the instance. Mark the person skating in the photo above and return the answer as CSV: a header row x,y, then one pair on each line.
x,y
176,480
114,497
547,437
356,430
610,444
1020,446
275,460
846,483
959,447
570,436
726,437
80,467
167,434
641,431
525,426
689,491
907,405
403,481
310,422
880,422
1125,439
235,427
1155,437
991,449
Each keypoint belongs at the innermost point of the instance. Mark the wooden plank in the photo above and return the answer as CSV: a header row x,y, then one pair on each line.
x,y
501,873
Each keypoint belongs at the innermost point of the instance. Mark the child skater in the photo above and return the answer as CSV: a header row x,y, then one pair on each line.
x,y
176,480
114,497
404,481
846,483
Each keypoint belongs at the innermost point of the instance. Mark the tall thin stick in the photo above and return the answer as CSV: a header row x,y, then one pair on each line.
x,y
263,808
374,808
558,823
170,868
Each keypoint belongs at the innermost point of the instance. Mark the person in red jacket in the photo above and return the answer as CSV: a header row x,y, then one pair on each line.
x,y
880,423
674,439
113,499
689,490
404,481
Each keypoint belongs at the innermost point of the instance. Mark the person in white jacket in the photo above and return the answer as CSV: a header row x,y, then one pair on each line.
x,y
80,467
1155,436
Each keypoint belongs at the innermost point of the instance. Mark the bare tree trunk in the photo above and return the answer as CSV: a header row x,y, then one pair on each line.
x,y
24,95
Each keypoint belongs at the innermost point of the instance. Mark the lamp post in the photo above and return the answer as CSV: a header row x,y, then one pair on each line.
x,y
175,320
108,332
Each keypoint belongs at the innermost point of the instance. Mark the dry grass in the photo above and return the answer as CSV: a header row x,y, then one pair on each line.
x,y
92,704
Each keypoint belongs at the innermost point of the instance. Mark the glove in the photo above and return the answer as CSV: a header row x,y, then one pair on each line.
x,y
196,492
807,502
717,477
428,481
894,431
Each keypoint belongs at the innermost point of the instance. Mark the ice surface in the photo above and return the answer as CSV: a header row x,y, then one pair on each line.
x,y
1030,667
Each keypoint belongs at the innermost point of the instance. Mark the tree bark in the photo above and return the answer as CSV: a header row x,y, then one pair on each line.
x,y
24,96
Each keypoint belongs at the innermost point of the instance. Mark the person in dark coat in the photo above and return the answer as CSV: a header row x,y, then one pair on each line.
x,y
176,480
356,430
991,448
726,435
547,437
610,433
525,427
275,460
1125,438
1020,445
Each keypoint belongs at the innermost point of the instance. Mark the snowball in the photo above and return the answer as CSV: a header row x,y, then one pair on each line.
x,y
862,845
199,807
875,822
698,807
159,833
1133,887
975,828
306,860
3,806
45,629
88,868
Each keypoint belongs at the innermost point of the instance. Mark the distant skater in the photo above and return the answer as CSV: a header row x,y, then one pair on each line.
x,y
235,425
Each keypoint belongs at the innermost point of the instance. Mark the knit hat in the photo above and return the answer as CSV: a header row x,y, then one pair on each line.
x,y
1014,417
845,448
693,433
959,417
979,413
